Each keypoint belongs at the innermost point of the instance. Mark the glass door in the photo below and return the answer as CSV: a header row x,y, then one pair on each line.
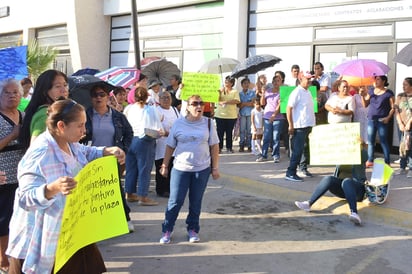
x,y
331,56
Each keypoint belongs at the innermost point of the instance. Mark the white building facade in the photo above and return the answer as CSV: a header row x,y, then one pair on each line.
x,y
99,34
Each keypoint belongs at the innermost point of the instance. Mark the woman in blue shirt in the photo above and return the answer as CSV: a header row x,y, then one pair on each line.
x,y
380,100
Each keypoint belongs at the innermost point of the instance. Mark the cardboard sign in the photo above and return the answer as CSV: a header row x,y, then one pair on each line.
x,y
93,211
335,144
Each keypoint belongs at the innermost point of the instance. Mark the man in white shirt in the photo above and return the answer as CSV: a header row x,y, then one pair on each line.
x,y
293,80
323,78
301,118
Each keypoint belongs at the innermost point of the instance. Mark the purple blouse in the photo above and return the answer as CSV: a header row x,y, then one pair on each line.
x,y
272,101
379,106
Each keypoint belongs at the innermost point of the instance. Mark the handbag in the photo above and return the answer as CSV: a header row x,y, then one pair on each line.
x,y
405,144
377,189
152,123
376,194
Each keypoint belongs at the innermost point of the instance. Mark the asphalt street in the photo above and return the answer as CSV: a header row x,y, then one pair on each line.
x,y
249,224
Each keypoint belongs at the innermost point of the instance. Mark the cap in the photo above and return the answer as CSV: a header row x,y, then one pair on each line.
x,y
306,74
153,83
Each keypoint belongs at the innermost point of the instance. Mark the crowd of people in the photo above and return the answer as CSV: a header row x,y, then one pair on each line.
x,y
48,139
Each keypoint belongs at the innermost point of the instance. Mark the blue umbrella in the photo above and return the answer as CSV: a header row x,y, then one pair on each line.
x,y
13,63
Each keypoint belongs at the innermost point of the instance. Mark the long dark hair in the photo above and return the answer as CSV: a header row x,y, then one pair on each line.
x,y
39,98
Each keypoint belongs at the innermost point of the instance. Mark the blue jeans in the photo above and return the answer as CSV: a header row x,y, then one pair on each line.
x,y
347,188
180,183
271,133
298,143
245,132
139,163
374,126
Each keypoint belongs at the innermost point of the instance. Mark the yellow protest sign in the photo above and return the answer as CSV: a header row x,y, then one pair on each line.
x,y
335,144
203,84
93,211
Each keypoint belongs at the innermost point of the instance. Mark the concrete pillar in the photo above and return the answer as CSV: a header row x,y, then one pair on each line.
x,y
235,29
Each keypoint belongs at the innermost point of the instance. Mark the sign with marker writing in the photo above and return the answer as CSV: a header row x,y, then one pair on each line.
x,y
203,84
335,144
93,211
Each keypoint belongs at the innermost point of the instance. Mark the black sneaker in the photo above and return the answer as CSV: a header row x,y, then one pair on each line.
x,y
293,178
305,173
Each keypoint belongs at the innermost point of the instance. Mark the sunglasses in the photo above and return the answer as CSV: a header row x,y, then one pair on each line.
x,y
99,94
197,103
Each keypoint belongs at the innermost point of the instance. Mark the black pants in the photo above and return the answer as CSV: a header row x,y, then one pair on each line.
x,y
162,183
126,207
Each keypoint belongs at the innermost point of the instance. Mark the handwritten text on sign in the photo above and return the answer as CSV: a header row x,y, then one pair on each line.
x,y
93,211
203,84
335,144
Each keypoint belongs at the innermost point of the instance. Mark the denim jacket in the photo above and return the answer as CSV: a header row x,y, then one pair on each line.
x,y
123,132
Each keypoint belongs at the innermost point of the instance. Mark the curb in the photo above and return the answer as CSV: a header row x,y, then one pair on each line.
x,y
369,212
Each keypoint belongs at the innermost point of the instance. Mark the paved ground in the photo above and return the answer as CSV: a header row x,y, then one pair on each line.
x,y
242,173
251,225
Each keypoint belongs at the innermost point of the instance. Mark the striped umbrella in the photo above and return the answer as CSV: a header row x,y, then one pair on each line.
x,y
120,76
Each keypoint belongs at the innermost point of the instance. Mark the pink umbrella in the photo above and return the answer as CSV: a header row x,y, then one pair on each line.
x,y
120,76
363,68
145,61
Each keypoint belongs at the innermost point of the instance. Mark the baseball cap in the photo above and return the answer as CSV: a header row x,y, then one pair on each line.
x,y
306,74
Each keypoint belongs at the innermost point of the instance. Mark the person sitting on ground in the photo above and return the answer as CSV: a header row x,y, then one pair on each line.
x,y
347,182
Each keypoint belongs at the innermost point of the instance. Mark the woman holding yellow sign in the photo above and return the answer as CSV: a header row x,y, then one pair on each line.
x,y
46,175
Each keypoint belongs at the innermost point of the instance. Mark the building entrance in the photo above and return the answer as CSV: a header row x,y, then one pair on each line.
x,y
332,55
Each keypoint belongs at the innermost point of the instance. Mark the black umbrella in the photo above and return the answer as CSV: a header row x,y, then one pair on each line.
x,y
79,88
254,64
89,71
161,70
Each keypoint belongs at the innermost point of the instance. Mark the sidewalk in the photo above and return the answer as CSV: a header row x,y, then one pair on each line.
x,y
239,171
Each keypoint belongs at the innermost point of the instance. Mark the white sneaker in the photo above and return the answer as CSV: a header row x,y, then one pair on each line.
x,y
397,161
303,205
193,236
354,218
166,237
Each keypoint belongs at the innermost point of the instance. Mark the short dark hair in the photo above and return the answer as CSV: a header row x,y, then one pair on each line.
x,y
244,80
295,67
26,81
320,64
231,80
282,75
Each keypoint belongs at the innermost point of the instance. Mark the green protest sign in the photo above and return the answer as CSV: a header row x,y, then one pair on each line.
x,y
285,91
